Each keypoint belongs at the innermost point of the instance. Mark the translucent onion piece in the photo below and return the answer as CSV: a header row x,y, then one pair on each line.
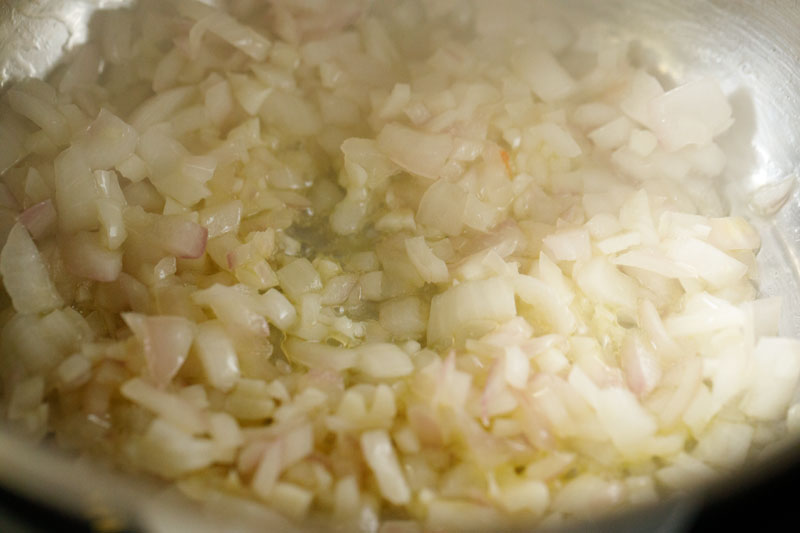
x,y
25,275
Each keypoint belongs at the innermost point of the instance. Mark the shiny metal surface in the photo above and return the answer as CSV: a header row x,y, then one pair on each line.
x,y
751,46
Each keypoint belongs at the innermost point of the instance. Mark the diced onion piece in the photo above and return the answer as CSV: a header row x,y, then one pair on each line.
x,y
653,260
41,112
338,288
417,152
170,407
291,113
168,451
604,283
367,155
383,360
76,192
529,495
25,275
13,131
453,514
165,340
39,219
250,93
236,306
684,472
517,367
541,71
470,308
586,494
733,233
217,355
85,257
232,31
133,168
725,444
569,245
180,237
691,114
159,107
222,218
636,104
319,355
774,377
713,265
619,243
554,137
612,135
430,267
107,141
442,207
278,309
268,471
74,371
291,499
112,223
382,460
404,318
298,278
546,303
704,313
641,366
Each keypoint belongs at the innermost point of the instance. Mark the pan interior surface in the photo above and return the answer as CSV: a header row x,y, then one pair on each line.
x,y
752,48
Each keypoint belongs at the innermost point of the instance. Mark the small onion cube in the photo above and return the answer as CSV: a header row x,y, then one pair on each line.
x,y
383,361
40,219
382,460
217,356
472,305
25,275
424,154
166,341
774,378
541,71
85,257
430,267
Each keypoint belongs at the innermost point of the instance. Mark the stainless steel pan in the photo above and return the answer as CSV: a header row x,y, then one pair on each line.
x,y
752,46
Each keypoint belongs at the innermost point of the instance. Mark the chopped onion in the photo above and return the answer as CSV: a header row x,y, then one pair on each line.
x,y
317,355
442,207
380,456
41,112
39,219
108,141
179,237
547,78
76,192
469,307
470,279
417,152
171,407
776,369
570,245
25,275
383,360
298,278
235,306
165,340
430,268
690,114
642,368
85,257
217,355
